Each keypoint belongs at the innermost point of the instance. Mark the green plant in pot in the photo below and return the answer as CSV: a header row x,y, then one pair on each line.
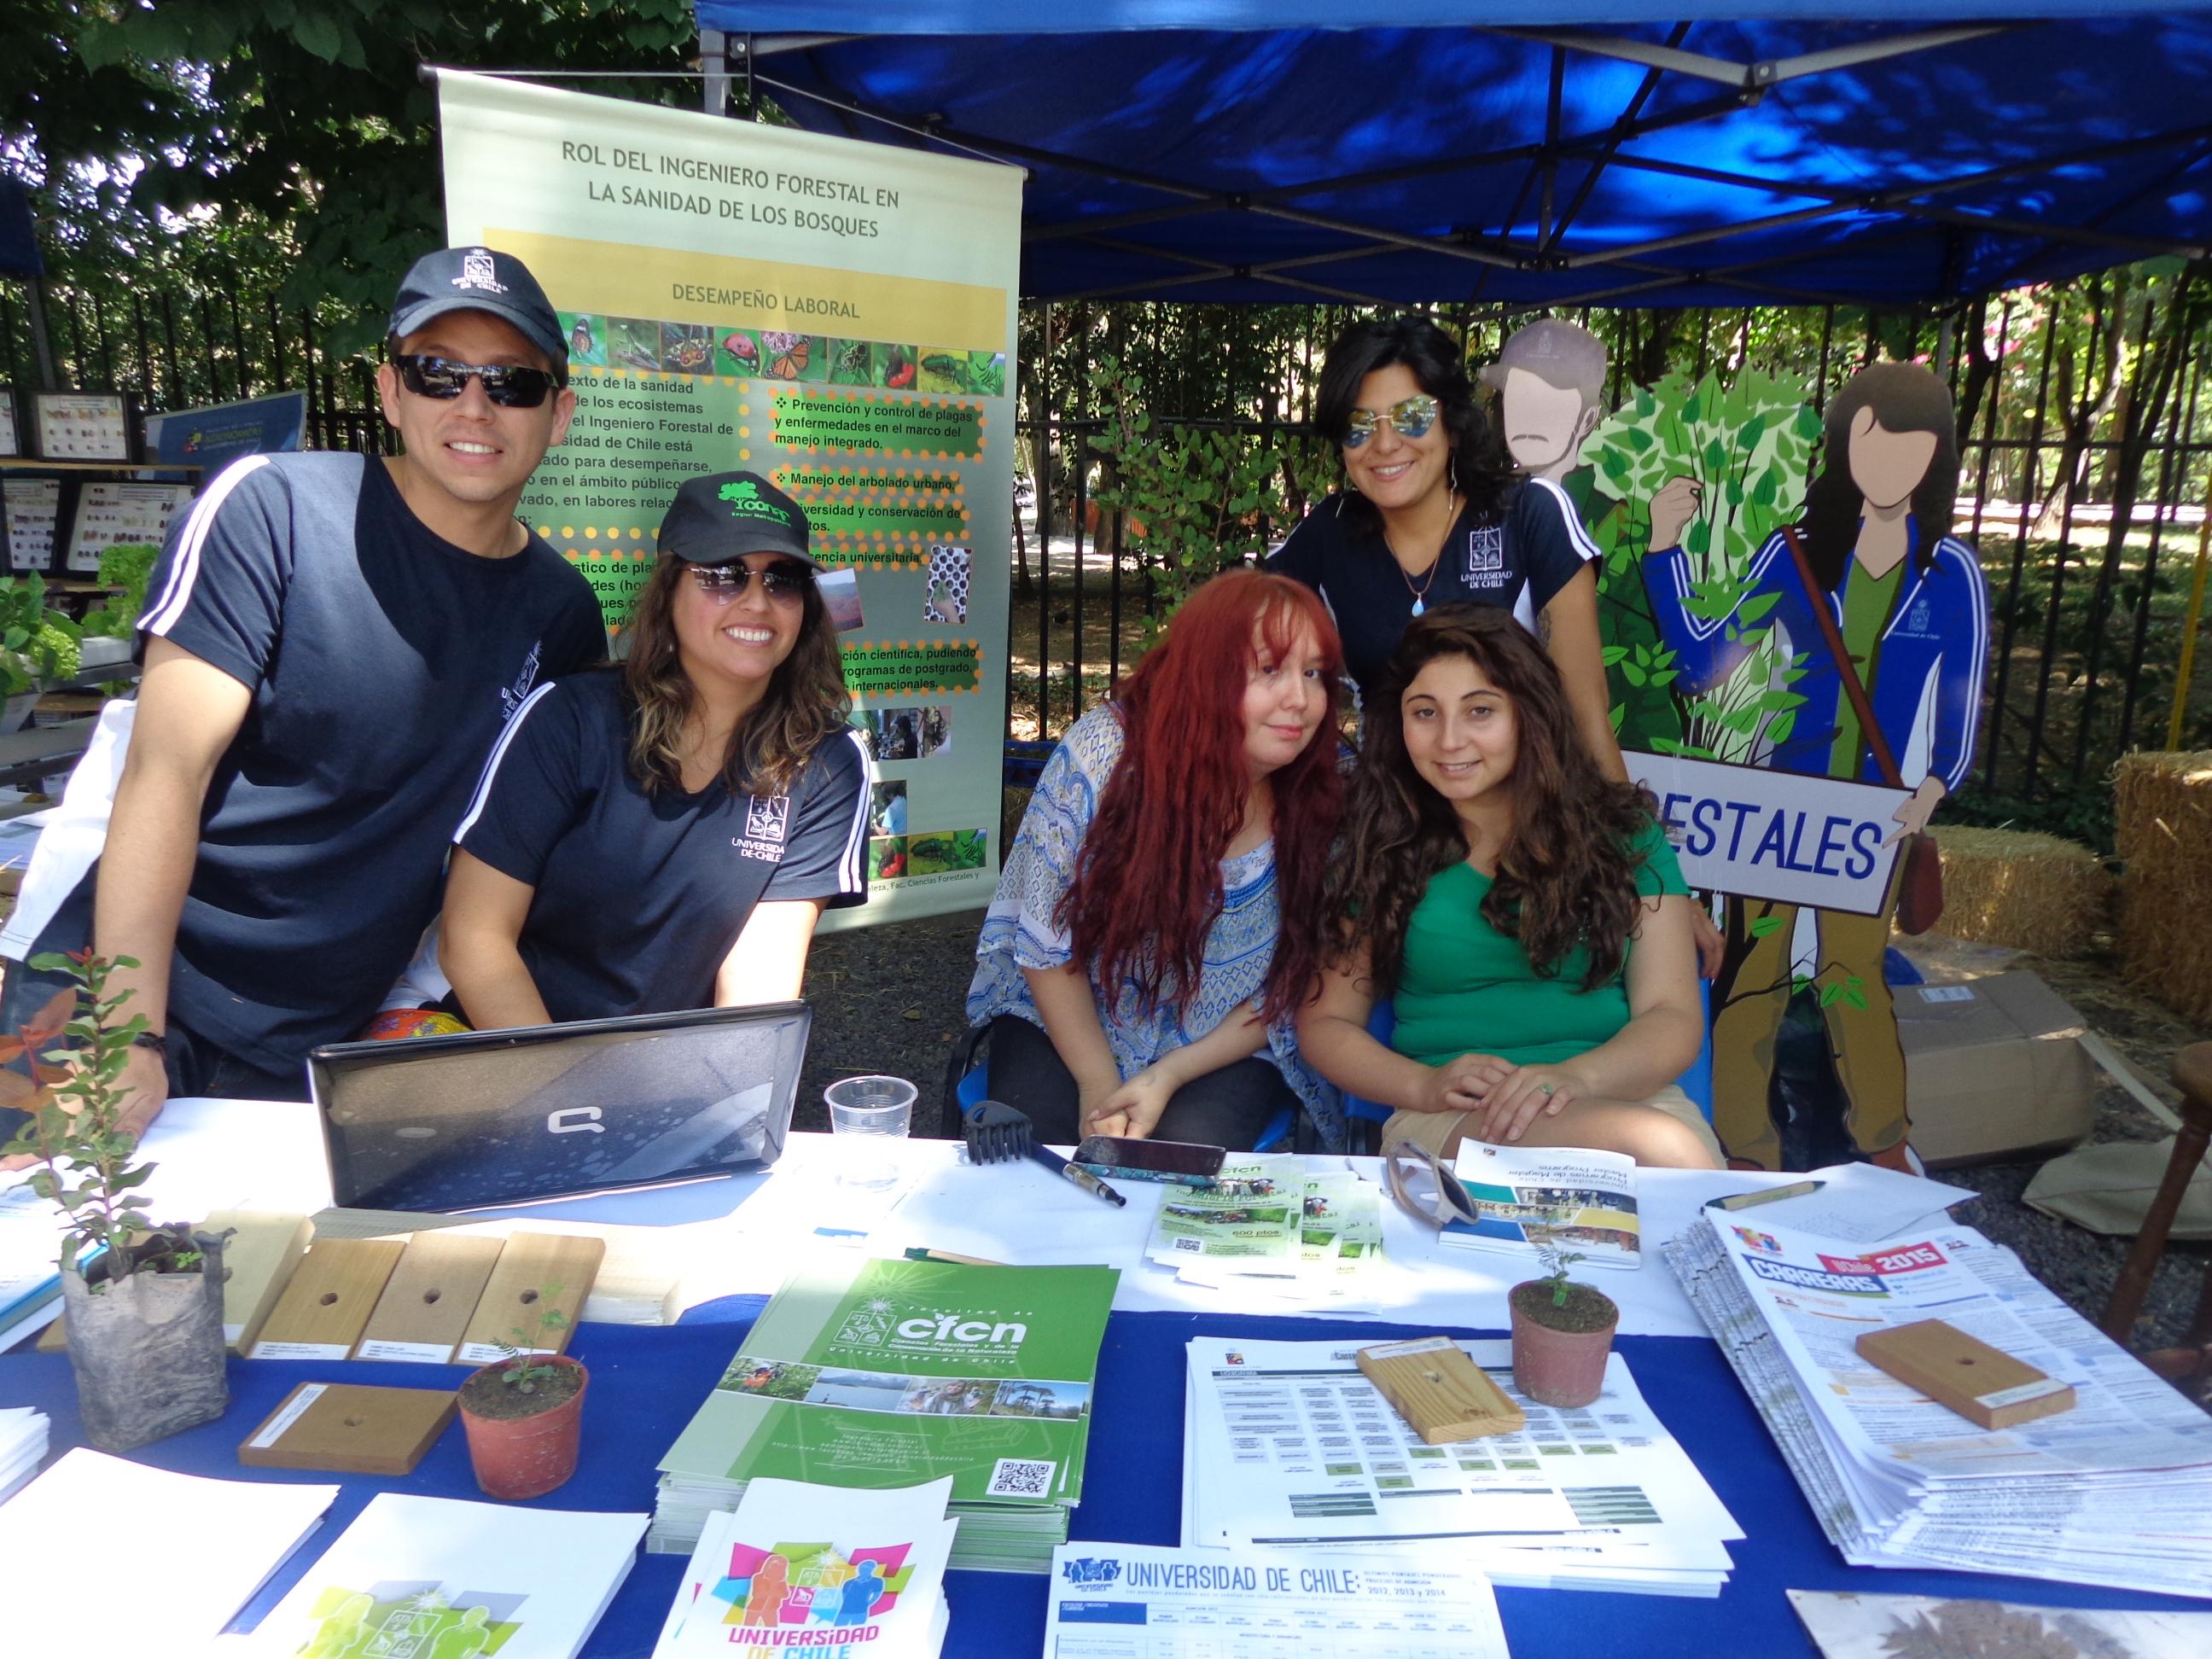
x,y
39,647
523,1413
143,1301
1562,1332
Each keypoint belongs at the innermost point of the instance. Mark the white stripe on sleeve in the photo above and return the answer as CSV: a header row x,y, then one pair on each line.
x,y
498,751
177,593
1577,532
856,838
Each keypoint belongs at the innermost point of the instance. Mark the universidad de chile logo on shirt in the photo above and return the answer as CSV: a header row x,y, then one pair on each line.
x,y
766,823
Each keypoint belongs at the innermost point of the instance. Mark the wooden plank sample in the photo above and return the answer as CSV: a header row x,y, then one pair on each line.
x,y
1983,1384
536,1270
351,1427
429,1299
1445,1395
263,1252
322,1312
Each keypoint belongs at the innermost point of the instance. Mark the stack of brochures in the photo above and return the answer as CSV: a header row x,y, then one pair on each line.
x,y
23,1434
168,1601
1288,1446
30,1246
886,1374
818,1568
434,1576
1581,1202
2116,1491
1270,1226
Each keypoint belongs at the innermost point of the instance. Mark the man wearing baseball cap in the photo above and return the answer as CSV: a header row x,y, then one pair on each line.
x,y
331,643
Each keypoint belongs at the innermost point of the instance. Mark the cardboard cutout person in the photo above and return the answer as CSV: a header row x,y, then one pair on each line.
x,y
1910,611
1550,379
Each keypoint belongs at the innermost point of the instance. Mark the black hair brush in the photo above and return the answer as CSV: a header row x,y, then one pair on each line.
x,y
997,1133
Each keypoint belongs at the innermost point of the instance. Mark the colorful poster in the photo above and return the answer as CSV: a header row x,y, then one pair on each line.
x,y
838,316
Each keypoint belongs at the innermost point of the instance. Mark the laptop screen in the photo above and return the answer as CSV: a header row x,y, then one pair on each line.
x,y
488,1118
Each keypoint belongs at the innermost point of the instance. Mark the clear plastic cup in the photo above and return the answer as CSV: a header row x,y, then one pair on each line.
x,y
864,1111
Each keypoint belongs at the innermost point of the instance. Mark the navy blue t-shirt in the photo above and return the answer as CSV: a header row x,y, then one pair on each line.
x,y
383,661
1519,559
638,898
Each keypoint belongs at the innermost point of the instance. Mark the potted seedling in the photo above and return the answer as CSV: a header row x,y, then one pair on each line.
x,y
1562,1332
142,1302
524,1412
39,647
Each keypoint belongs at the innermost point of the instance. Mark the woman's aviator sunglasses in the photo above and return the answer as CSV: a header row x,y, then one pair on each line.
x,y
1409,418
1424,1188
722,583
509,386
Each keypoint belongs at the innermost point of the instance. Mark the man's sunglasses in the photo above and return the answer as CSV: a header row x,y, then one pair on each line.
x,y
722,583
1411,418
505,385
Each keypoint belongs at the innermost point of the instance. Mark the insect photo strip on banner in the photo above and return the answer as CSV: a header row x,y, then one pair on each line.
x,y
1795,646
837,316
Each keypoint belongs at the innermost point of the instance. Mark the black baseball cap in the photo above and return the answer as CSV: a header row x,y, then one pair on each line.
x,y
480,279
726,515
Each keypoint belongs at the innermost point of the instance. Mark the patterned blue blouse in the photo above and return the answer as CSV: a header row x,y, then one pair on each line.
x,y
1019,932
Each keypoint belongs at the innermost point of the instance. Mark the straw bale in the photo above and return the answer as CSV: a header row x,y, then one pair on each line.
x,y
2015,887
2163,803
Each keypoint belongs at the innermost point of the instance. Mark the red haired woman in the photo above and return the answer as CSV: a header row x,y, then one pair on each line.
x,y
1155,925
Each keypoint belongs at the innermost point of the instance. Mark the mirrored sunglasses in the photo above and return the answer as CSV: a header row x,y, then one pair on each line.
x,y
1424,1188
509,386
1411,418
722,583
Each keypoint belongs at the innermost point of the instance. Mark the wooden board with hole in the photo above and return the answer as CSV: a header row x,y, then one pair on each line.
x,y
263,1250
536,1271
1984,1385
429,1299
323,1310
352,1427
1435,1386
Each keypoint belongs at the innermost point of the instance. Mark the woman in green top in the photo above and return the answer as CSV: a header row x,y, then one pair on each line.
x,y
1523,911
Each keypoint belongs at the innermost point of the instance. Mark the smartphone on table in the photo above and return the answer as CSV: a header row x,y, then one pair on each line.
x,y
1182,1162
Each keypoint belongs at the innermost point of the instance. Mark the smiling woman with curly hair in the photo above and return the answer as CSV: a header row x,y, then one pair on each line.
x,y
1524,911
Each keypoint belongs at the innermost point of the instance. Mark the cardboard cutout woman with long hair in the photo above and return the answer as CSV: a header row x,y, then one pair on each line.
x,y
1910,609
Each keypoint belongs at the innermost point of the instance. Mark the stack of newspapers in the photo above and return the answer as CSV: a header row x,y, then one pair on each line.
x,y
822,1568
2116,1491
877,1374
1287,1446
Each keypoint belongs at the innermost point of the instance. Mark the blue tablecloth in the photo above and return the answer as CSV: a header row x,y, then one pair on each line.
x,y
647,1381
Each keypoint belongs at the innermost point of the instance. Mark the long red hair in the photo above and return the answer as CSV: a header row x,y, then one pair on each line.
x,y
1147,885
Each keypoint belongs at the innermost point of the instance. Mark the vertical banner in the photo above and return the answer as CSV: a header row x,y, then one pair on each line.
x,y
837,316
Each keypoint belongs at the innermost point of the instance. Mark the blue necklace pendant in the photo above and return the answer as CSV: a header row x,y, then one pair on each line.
x,y
1417,606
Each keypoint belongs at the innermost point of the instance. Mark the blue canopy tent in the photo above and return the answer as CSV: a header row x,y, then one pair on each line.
x,y
1511,152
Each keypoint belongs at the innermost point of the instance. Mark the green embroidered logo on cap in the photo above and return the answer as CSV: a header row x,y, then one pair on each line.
x,y
744,497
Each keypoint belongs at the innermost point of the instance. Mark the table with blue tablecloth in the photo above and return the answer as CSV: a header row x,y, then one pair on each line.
x,y
647,1381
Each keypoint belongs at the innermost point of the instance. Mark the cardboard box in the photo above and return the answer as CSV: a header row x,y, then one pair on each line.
x,y
1993,1067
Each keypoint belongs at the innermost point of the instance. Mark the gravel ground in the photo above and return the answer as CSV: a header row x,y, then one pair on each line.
x,y
889,999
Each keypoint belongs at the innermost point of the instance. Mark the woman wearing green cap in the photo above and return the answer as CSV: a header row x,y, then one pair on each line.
x,y
665,834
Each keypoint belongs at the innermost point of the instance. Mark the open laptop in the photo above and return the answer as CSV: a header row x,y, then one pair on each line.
x,y
481,1119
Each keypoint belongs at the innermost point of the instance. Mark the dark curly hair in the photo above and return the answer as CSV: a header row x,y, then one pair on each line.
x,y
1566,875
1905,398
1479,462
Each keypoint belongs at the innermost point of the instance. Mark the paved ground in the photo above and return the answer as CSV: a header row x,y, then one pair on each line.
x,y
889,999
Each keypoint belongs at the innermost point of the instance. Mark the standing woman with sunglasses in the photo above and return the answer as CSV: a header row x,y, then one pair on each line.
x,y
1430,514
665,834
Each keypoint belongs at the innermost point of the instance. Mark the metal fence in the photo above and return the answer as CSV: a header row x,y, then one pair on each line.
x,y
2090,598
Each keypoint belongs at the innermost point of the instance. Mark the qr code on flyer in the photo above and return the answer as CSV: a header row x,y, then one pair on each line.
x,y
1190,1243
1021,1477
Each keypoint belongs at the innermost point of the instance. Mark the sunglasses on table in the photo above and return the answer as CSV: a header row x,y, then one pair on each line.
x,y
1411,417
1424,1188
722,583
509,386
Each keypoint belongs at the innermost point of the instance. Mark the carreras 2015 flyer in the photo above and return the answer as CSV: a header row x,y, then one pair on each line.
x,y
837,316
